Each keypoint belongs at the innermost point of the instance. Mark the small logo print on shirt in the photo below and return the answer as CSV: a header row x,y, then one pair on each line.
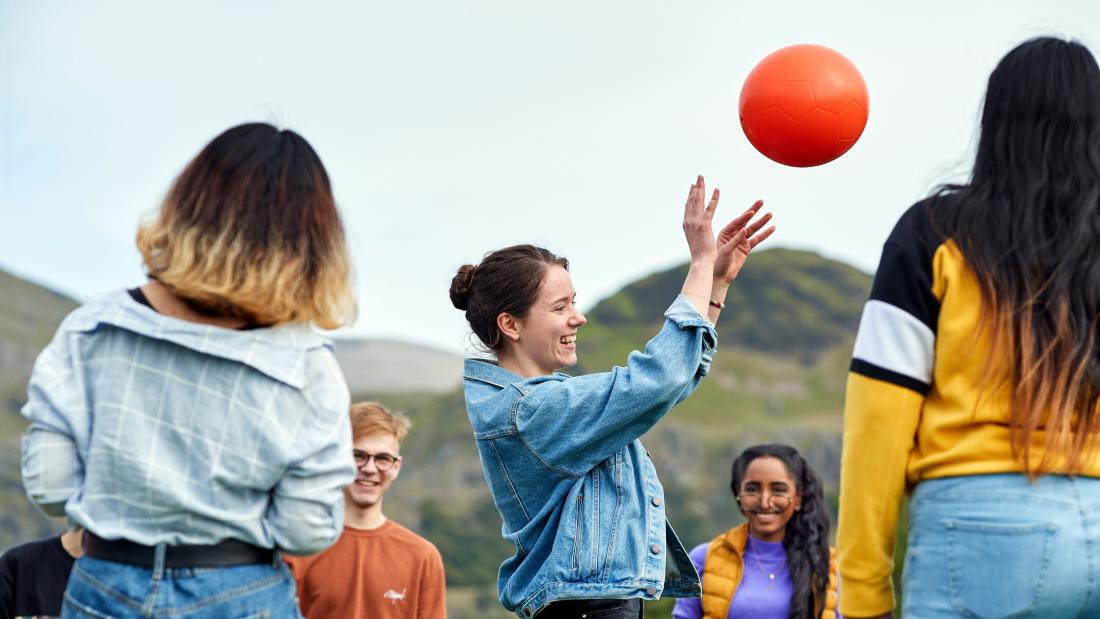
x,y
394,596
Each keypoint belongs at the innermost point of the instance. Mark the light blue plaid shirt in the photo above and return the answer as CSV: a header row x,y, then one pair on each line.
x,y
154,429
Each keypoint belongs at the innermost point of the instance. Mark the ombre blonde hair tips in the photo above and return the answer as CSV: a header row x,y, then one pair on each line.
x,y
250,230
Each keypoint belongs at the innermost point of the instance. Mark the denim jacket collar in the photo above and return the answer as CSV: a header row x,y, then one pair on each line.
x,y
487,371
276,351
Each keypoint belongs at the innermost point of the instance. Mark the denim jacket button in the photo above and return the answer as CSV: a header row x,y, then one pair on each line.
x,y
656,501
655,549
651,590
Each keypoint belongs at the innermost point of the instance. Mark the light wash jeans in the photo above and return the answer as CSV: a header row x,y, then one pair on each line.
x,y
999,547
102,589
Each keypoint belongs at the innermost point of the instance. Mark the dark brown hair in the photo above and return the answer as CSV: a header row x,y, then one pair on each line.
x,y
507,280
250,230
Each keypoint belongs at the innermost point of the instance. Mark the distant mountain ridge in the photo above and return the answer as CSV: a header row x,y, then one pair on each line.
x,y
373,365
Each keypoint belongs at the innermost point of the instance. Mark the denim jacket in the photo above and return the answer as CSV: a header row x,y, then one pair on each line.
x,y
577,492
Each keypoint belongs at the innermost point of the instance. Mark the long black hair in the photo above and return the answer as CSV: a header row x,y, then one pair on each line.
x,y
806,539
1028,225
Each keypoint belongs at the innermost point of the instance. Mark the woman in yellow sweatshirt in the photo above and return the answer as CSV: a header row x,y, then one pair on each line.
x,y
975,378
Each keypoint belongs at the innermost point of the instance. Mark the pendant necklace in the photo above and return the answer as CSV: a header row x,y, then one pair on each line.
x,y
756,558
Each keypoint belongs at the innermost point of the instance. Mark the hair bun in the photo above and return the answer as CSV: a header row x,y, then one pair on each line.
x,y
460,286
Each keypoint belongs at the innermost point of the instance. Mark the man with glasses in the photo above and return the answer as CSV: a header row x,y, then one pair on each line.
x,y
378,569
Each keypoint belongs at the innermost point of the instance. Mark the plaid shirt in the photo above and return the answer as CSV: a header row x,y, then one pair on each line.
x,y
153,429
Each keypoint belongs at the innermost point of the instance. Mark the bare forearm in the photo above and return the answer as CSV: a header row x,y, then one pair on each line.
x,y
698,283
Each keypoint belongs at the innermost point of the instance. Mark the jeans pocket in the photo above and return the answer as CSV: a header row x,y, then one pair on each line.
x,y
995,570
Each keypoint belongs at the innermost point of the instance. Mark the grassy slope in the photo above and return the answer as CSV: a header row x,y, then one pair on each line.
x,y
778,376
29,314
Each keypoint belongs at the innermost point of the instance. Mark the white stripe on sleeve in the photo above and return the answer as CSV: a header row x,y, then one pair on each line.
x,y
895,340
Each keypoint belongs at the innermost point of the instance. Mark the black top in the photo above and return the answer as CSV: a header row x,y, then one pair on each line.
x,y
33,578
139,296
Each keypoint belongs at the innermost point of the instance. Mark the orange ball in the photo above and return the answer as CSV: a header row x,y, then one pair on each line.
x,y
804,105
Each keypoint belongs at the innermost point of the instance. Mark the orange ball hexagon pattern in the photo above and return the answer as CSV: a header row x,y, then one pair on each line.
x,y
804,105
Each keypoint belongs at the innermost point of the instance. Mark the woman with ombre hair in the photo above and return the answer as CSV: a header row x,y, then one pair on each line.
x,y
975,381
196,426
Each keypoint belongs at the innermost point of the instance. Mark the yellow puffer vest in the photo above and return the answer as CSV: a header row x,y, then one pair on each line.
x,y
724,568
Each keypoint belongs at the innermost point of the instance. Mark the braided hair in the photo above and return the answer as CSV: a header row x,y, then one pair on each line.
x,y
806,539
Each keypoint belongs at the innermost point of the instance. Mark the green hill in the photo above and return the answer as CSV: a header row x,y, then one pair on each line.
x,y
778,376
29,314
785,341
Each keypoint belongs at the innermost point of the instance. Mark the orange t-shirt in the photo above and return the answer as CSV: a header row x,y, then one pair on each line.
x,y
384,573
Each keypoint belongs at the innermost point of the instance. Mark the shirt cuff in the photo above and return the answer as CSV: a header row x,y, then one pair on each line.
x,y
866,599
684,315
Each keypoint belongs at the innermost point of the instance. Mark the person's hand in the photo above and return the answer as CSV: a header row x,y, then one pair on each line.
x,y
697,224
737,239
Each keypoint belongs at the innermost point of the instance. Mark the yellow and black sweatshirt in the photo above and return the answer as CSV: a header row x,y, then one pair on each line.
x,y
914,408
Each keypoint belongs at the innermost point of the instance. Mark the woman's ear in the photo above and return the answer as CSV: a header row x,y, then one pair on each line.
x,y
508,325
797,502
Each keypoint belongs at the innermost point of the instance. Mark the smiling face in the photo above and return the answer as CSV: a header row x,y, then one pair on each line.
x,y
768,497
545,340
370,483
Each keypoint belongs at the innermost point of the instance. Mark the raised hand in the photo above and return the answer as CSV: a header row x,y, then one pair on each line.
x,y
737,239
698,227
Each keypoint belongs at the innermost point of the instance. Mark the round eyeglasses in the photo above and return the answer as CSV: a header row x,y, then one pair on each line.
x,y
752,501
383,461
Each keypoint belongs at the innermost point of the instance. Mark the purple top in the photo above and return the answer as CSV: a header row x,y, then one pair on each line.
x,y
758,596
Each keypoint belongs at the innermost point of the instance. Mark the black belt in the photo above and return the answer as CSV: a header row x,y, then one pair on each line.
x,y
575,609
223,554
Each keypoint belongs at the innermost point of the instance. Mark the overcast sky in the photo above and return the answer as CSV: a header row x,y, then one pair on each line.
x,y
454,127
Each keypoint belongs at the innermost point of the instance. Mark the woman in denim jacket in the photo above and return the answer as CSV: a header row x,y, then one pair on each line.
x,y
577,492
196,426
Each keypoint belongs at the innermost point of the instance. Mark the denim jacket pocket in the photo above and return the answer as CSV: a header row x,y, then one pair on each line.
x,y
586,527
578,512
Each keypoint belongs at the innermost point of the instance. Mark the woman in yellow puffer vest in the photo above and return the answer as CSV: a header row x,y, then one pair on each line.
x,y
778,565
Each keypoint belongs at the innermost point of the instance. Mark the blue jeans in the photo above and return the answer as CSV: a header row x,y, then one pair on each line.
x,y
999,547
102,589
